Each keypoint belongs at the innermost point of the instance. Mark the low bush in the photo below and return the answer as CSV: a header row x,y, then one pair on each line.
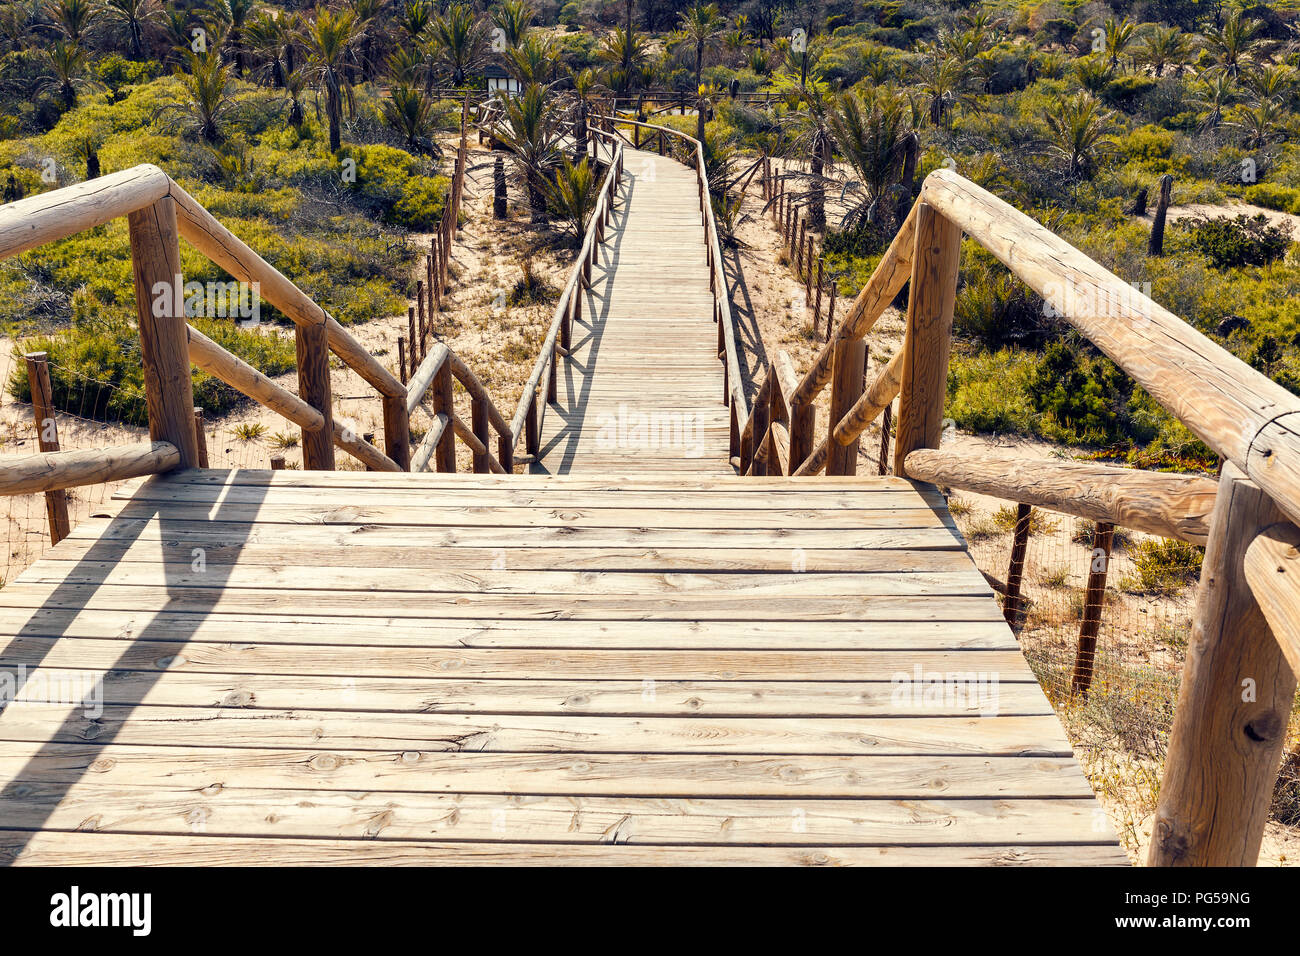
x,y
1240,241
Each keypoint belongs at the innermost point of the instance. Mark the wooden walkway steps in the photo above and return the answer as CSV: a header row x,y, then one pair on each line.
x,y
642,387
473,669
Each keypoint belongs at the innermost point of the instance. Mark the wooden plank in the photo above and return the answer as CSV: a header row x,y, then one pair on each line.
x,y
103,849
586,774
571,819
357,730
183,688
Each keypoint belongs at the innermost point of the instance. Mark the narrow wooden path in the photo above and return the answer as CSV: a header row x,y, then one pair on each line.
x,y
472,669
641,390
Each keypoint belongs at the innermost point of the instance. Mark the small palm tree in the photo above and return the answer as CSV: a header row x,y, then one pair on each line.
x,y
232,17
1270,83
701,26
459,41
410,112
942,80
134,18
1079,127
1163,48
532,61
871,131
807,128
209,98
1119,36
626,52
514,18
1233,45
328,40
414,18
1215,94
67,61
531,131
73,17
1259,124
572,194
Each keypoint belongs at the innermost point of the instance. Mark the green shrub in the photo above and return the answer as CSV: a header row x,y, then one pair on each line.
x,y
1163,564
96,369
1240,241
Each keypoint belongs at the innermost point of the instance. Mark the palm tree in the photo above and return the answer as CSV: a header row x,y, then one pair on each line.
x,y
67,61
233,17
871,131
808,129
410,112
572,193
134,18
1234,44
369,14
531,131
513,18
271,40
533,61
459,41
328,39
942,81
1119,34
208,85
414,19
1270,83
1260,124
701,26
73,17
626,51
1164,47
1079,127
1215,94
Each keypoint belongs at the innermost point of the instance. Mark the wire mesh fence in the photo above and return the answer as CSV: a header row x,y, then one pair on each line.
x,y
1119,721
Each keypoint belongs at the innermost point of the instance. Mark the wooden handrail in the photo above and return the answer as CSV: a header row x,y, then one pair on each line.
x,y
1272,569
1240,413
239,375
527,401
60,213
50,471
1171,506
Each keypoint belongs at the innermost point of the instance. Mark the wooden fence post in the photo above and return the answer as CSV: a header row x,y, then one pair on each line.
x,y
479,425
401,359
312,344
397,430
47,439
1016,570
885,420
164,341
415,342
277,462
200,437
849,364
1230,721
419,317
1093,600
441,391
929,333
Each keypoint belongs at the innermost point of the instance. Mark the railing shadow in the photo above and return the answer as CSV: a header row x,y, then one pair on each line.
x,y
176,622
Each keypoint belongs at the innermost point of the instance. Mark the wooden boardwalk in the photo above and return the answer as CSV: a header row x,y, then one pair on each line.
x,y
642,387
297,667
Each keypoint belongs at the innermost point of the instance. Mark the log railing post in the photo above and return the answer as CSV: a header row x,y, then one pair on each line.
x,y
47,439
200,437
312,344
441,391
415,342
479,425
532,440
164,343
397,430
849,366
506,454
886,418
277,462
1094,598
930,304
1230,721
1016,570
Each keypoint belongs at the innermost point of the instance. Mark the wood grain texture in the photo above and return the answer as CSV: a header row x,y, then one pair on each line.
x,y
71,469
465,661
1172,506
1230,721
1273,573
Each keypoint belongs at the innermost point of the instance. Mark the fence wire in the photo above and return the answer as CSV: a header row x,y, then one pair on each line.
x,y
1120,727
